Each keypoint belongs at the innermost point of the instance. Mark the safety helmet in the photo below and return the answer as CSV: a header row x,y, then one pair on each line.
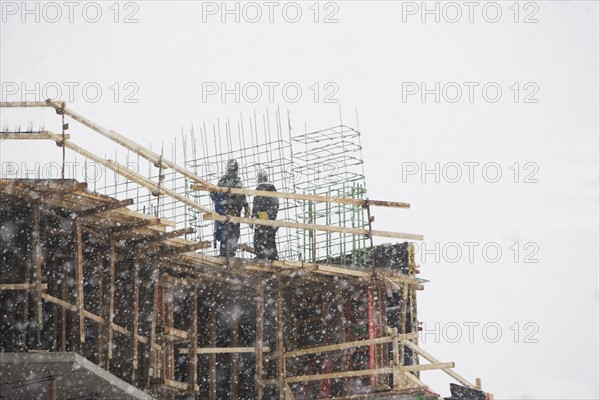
x,y
263,176
232,166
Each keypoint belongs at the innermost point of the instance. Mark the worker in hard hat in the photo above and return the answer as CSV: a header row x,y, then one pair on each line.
x,y
265,208
228,233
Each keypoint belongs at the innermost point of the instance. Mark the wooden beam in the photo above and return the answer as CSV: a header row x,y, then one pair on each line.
x,y
175,334
260,311
434,360
79,279
327,228
194,340
37,261
22,286
102,308
104,208
212,368
337,375
427,367
111,300
210,215
62,303
414,380
129,144
135,314
225,350
183,249
159,237
125,229
130,175
20,104
153,373
29,136
396,359
348,345
281,374
299,196
274,267
234,356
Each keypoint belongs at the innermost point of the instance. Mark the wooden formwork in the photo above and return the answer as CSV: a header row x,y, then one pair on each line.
x,y
129,293
93,277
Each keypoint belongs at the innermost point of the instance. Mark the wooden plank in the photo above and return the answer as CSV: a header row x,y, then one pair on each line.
x,y
433,360
71,307
416,381
120,329
66,305
130,175
159,237
427,367
105,208
225,350
396,359
102,309
111,300
275,266
327,228
22,286
135,314
208,214
260,311
194,340
28,136
337,375
79,279
130,226
127,143
93,317
173,384
20,104
212,371
280,344
299,196
37,260
347,345
234,356
171,333
153,373
64,294
183,249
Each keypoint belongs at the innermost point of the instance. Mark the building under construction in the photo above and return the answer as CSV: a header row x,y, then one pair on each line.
x,y
115,291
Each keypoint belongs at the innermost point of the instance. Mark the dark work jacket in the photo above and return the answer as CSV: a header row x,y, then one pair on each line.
x,y
270,205
229,204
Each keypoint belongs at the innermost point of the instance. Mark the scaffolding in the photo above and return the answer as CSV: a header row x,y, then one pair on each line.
x,y
327,162
84,273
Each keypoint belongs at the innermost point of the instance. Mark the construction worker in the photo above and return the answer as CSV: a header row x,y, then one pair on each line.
x,y
265,208
228,233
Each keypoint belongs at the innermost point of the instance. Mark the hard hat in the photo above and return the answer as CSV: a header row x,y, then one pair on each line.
x,y
263,176
232,165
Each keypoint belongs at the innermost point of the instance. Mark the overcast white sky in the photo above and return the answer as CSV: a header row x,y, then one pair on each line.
x,y
373,57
